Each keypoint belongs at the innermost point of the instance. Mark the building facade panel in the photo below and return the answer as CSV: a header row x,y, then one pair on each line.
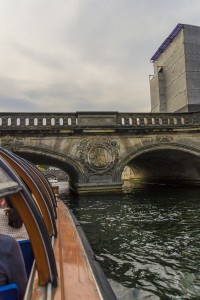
x,y
180,61
158,92
177,102
191,34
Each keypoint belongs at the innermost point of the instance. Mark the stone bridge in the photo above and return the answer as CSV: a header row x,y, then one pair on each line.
x,y
93,148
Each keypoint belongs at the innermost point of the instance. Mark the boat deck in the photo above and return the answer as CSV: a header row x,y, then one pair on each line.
x,y
75,277
72,263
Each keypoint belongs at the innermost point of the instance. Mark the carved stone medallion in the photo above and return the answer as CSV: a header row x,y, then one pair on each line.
x,y
164,138
11,143
98,155
7,142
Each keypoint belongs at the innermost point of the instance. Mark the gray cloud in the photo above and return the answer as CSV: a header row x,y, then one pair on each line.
x,y
39,57
83,54
14,104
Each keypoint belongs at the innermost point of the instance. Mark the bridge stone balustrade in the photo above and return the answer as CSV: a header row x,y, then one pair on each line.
x,y
37,121
93,148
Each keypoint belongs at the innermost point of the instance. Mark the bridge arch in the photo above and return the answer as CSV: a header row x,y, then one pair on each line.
x,y
42,156
166,163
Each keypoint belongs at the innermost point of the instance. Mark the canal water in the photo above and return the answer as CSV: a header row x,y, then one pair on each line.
x,y
147,240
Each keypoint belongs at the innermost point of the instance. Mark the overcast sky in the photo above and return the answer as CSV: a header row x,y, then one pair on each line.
x,y
79,55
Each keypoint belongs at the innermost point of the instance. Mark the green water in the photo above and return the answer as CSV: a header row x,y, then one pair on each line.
x,y
147,240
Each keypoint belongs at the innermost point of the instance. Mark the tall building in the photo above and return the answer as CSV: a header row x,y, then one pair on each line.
x,y
175,85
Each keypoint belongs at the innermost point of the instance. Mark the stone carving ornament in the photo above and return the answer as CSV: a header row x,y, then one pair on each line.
x,y
7,142
98,155
11,143
164,138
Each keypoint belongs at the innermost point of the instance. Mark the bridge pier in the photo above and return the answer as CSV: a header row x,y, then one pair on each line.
x,y
89,188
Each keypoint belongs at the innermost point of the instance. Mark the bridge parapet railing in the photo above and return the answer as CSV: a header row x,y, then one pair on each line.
x,y
59,121
37,120
158,119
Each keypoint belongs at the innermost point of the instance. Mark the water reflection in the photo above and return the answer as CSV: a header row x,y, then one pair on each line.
x,y
147,240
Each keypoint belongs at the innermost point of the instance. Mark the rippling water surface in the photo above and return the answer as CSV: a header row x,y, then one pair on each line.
x,y
147,240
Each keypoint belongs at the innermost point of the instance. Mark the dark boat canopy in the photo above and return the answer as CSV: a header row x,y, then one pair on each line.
x,y
24,188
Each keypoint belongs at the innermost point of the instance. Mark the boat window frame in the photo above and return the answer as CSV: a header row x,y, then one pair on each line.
x,y
35,226
35,187
45,183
